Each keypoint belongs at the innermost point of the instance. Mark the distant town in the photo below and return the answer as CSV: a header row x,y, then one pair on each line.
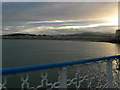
x,y
86,36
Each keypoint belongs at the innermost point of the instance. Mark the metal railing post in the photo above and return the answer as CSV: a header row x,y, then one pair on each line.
x,y
109,74
118,64
63,78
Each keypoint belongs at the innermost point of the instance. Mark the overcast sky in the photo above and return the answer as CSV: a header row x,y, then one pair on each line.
x,y
59,17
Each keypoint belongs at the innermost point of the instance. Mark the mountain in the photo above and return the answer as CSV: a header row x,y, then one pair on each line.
x,y
20,34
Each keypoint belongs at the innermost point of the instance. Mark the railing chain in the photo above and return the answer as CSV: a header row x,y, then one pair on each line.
x,y
4,83
25,84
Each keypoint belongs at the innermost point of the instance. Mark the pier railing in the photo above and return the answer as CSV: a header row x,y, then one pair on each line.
x,y
101,72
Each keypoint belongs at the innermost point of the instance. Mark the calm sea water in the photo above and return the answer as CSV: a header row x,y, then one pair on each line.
x,y
30,52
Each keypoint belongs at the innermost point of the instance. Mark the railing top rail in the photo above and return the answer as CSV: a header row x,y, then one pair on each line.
x,y
15,70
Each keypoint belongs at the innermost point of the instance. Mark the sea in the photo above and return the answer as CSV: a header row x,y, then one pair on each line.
x,y
31,52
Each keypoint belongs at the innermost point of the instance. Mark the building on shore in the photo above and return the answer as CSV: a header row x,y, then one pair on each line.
x,y
118,33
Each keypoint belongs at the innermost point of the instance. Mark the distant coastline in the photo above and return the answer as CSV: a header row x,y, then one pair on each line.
x,y
87,36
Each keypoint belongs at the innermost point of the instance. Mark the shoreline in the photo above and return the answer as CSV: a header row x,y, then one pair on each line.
x,y
107,41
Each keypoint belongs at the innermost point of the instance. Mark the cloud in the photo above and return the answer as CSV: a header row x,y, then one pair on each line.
x,y
55,17
64,27
32,11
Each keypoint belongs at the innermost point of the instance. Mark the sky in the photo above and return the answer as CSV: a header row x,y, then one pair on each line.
x,y
59,17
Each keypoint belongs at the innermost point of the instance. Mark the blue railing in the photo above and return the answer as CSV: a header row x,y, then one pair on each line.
x,y
14,70
101,72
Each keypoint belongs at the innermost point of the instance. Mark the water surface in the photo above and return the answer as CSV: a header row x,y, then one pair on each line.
x,y
30,52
